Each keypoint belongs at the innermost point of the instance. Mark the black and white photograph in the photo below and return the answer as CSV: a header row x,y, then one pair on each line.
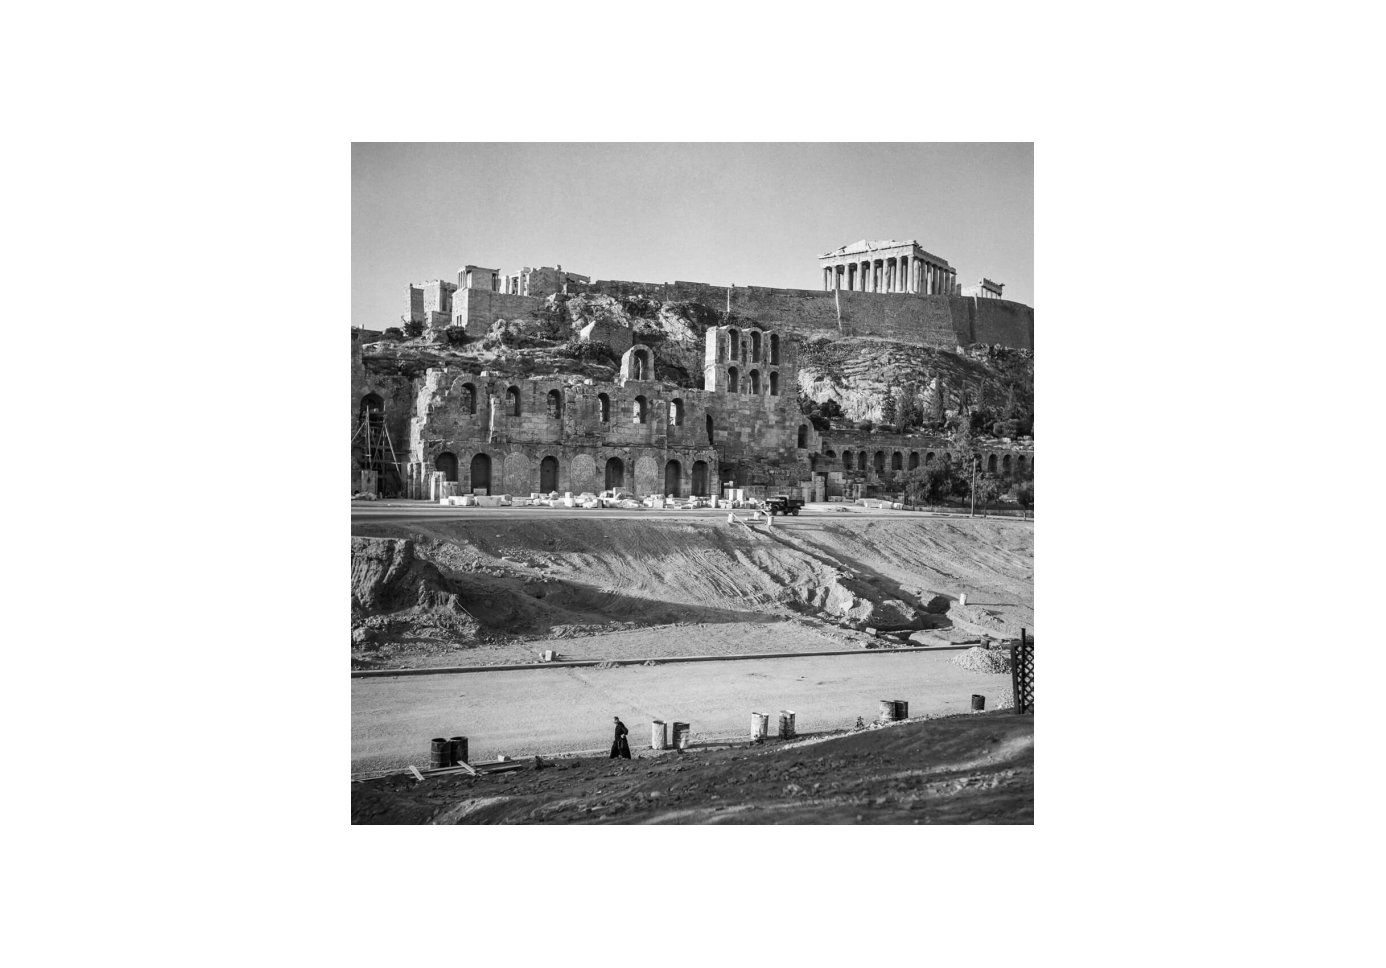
x,y
692,483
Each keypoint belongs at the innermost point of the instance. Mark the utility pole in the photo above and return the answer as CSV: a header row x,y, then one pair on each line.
x,y
974,487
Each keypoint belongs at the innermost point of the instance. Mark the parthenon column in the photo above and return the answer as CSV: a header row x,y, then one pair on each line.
x,y
866,276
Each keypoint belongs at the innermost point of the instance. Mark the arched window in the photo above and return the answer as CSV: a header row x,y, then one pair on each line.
x,y
700,478
991,464
638,411
928,457
847,459
878,462
1006,466
914,459
755,382
555,404
603,408
512,401
755,346
733,380
447,463
774,350
676,412
709,428
468,398
639,365
803,435
733,345
861,461
774,384
1020,466
897,462
830,454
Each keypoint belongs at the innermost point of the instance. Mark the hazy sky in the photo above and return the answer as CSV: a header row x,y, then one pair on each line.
x,y
749,214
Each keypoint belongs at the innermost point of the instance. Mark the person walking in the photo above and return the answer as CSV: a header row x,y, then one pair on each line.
x,y
620,746
731,517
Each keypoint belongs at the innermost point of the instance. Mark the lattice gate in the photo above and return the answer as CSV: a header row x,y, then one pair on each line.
x,y
1023,675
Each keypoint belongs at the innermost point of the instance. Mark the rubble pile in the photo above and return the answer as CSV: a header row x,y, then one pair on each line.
x,y
979,659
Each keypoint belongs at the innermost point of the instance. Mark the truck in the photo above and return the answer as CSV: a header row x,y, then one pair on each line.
x,y
782,504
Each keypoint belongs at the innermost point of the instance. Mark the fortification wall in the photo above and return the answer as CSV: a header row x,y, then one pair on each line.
x,y
942,322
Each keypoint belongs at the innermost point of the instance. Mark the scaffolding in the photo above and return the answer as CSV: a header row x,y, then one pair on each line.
x,y
377,449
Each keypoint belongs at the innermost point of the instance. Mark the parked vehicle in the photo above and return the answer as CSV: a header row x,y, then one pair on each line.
x,y
782,504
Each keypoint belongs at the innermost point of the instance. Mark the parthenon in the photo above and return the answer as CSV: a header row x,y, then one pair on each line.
x,y
888,266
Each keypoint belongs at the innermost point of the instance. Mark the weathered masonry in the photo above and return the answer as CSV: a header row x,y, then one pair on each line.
x,y
887,266
425,417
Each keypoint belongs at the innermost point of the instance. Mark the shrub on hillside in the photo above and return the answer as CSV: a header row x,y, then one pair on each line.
x,y
392,333
413,329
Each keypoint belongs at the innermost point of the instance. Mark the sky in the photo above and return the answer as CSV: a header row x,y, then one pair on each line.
x,y
725,214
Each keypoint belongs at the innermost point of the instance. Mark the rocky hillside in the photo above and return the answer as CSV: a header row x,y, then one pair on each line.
x,y
886,383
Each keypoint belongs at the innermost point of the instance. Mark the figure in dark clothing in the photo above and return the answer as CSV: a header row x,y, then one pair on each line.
x,y
620,746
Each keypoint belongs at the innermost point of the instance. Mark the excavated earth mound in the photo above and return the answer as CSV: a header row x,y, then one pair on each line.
x,y
460,581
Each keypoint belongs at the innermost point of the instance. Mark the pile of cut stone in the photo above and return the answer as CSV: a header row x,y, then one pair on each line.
x,y
980,659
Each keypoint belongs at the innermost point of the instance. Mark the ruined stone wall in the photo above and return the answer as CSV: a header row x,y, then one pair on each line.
x,y
842,451
397,391
476,309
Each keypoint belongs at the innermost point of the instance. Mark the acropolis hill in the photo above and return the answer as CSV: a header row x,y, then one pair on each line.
x,y
546,380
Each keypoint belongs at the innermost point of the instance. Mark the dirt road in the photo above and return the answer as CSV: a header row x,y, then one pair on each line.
x,y
525,712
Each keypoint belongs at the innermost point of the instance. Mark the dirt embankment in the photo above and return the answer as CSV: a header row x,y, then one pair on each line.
x,y
454,583
961,769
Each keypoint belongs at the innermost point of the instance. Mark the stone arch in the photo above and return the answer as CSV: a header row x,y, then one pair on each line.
x,y
467,397
648,479
774,349
447,463
914,459
673,478
774,384
861,461
830,454
1020,465
479,476
640,410
847,459
991,464
676,412
603,408
615,474
928,458
699,478
582,474
733,380
516,475
512,401
803,436
1006,466
878,462
897,461
554,402
733,345
755,383
755,346
548,474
